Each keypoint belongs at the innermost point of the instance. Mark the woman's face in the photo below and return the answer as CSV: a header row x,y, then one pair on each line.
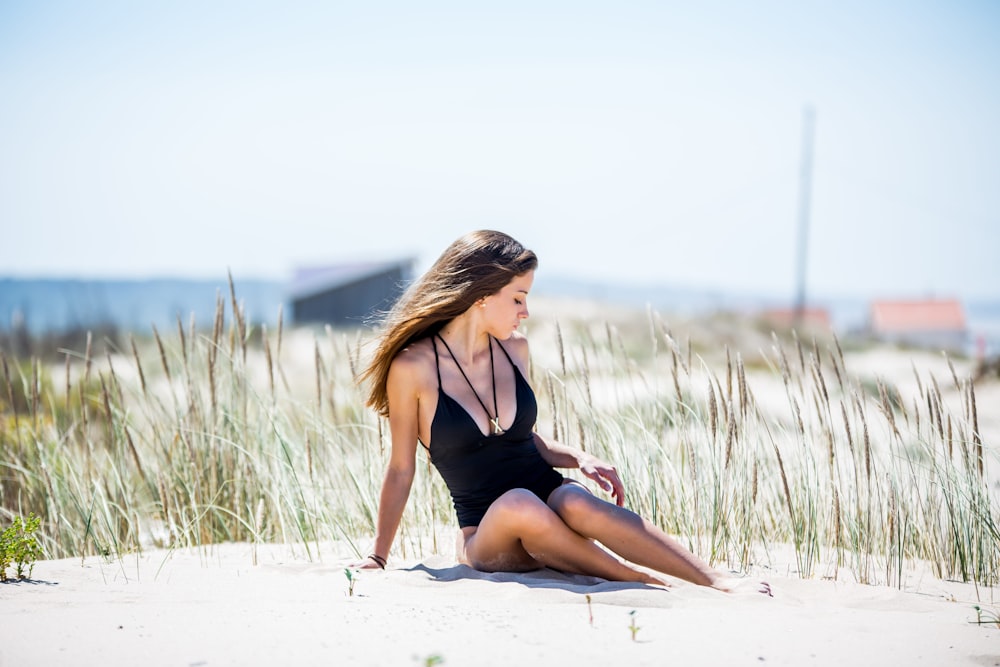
x,y
504,310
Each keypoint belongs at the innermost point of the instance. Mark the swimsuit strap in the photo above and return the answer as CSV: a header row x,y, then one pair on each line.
x,y
502,349
437,362
494,421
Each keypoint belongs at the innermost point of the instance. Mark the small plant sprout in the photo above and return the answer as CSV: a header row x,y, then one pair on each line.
x,y
590,610
352,578
986,617
433,660
633,628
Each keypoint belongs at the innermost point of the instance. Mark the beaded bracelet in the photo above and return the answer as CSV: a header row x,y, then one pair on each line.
x,y
378,560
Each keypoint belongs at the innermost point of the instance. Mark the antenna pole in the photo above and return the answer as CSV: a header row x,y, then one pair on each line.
x,y
805,186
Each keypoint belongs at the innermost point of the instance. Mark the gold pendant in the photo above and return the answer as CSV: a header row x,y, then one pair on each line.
x,y
496,425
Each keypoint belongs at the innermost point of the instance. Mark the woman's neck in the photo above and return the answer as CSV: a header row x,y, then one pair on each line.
x,y
467,340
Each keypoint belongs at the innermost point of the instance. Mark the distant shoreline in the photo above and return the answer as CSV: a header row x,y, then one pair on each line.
x,y
46,305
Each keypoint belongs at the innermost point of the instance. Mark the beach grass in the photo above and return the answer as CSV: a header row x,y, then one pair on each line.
x,y
241,433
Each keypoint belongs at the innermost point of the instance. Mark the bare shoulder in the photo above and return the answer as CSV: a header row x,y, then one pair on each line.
x,y
517,347
413,368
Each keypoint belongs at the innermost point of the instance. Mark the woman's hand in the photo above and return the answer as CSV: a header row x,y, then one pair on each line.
x,y
605,475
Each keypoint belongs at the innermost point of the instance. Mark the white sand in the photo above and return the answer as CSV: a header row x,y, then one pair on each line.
x,y
217,608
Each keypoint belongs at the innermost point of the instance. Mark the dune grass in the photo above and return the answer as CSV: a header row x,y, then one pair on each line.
x,y
193,438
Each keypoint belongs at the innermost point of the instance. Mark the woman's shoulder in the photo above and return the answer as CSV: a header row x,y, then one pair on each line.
x,y
517,347
415,363
516,341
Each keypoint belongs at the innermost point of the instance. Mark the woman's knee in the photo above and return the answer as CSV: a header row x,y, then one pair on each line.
x,y
576,506
523,508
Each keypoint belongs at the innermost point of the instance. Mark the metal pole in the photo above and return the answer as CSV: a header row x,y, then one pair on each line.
x,y
805,186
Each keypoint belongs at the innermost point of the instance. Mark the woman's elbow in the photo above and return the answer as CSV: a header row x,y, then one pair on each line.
x,y
399,476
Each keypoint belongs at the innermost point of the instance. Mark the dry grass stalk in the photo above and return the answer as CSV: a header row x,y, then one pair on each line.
x,y
318,362
916,376
554,405
113,377
886,407
183,341
839,365
163,353
277,351
238,317
68,388
106,401
673,374
838,530
798,348
586,376
713,413
784,483
87,359
730,435
562,350
35,386
976,437
135,454
744,398
786,373
10,397
138,366
729,375
954,376
267,358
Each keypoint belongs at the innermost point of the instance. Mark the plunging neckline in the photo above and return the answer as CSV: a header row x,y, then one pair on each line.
x,y
493,420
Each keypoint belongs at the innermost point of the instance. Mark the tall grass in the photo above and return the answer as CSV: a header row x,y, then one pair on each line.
x,y
849,473
189,438
197,438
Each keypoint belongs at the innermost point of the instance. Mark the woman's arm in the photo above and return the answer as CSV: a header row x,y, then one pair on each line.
x,y
403,401
562,456
558,455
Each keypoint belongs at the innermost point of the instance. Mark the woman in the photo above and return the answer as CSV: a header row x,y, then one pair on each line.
x,y
449,374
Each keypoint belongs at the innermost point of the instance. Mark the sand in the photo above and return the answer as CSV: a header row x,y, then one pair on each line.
x,y
215,607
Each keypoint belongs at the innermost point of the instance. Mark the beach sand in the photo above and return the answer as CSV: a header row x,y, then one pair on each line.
x,y
215,607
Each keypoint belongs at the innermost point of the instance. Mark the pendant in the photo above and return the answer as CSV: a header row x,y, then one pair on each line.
x,y
496,425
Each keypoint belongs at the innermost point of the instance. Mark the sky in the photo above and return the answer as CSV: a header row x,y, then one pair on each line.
x,y
624,142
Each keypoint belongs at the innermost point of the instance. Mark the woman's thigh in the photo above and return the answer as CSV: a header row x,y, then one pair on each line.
x,y
576,505
496,544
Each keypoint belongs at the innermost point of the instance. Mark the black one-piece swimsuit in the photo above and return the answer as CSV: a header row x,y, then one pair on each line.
x,y
477,468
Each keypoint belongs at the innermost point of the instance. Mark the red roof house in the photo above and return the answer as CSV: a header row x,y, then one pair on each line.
x,y
938,323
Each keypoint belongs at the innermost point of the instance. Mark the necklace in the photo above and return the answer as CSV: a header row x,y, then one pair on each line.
x,y
494,421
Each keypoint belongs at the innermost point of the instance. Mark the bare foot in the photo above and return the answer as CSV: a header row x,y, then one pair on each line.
x,y
657,581
742,585
366,564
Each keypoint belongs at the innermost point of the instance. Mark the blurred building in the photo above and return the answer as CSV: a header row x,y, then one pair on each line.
x,y
933,323
347,294
810,318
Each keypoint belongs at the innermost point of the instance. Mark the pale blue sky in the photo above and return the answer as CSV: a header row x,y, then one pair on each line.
x,y
623,141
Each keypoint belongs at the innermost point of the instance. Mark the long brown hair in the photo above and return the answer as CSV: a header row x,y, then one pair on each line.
x,y
478,264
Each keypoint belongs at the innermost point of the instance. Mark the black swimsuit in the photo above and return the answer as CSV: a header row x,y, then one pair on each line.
x,y
479,468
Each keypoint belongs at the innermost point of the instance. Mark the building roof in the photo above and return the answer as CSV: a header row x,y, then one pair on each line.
x,y
917,315
311,280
